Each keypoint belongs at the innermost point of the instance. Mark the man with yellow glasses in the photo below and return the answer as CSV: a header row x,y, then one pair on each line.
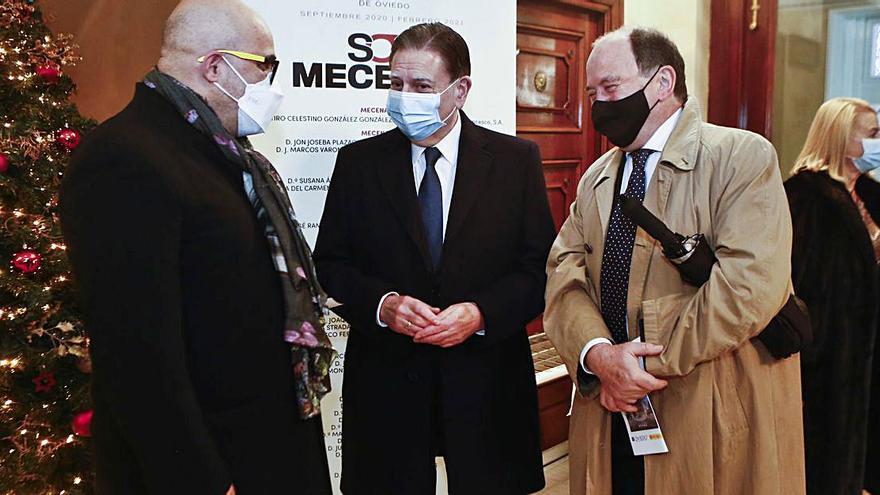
x,y
264,62
206,318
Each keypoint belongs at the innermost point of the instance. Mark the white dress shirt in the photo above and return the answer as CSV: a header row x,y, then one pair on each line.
x,y
657,142
446,166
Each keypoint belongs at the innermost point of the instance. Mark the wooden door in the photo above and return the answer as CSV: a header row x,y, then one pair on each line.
x,y
553,40
741,65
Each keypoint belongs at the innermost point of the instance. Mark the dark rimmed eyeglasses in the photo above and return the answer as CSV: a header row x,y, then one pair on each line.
x,y
264,62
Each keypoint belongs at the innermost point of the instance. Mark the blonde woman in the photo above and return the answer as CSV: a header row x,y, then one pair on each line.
x,y
835,211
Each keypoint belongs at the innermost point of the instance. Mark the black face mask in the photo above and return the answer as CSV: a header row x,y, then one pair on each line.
x,y
621,120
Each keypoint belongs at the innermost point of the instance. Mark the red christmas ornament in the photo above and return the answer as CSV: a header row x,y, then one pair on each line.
x,y
44,382
27,261
69,139
49,73
82,424
4,163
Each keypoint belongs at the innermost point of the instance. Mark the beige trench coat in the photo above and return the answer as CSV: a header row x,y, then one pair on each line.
x,y
731,415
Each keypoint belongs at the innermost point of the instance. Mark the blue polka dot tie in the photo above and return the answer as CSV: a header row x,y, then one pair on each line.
x,y
617,256
431,204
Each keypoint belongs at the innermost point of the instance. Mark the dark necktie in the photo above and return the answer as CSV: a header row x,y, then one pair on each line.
x,y
431,204
617,256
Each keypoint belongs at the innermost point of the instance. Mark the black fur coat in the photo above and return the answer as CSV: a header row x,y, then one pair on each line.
x,y
834,271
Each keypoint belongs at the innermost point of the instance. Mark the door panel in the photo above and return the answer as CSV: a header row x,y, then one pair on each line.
x,y
562,177
547,80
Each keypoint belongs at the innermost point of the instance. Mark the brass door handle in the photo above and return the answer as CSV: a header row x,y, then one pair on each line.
x,y
754,8
540,81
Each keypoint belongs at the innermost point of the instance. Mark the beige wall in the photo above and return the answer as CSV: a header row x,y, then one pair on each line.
x,y
799,86
119,42
687,24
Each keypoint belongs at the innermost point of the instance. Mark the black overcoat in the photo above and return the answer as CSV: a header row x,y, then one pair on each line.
x,y
192,382
476,400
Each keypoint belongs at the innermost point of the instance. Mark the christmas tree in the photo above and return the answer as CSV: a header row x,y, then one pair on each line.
x,y
45,410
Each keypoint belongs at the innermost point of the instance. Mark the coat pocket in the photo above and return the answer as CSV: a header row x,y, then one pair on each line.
x,y
659,317
728,411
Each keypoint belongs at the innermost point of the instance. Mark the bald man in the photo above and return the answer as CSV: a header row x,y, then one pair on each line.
x,y
205,318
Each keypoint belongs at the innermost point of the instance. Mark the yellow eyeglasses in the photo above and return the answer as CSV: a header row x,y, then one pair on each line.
x,y
264,62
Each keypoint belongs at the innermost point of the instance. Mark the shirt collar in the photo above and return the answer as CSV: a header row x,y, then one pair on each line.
x,y
658,140
448,146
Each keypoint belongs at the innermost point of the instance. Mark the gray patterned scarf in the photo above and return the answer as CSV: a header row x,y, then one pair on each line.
x,y
304,301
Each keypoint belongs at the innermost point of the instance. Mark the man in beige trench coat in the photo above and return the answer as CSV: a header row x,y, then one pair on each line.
x,y
730,413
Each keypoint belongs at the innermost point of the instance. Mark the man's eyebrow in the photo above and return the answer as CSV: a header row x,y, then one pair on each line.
x,y
415,79
610,79
423,79
606,80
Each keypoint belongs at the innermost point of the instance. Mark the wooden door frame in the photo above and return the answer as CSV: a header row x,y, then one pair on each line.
x,y
611,10
741,89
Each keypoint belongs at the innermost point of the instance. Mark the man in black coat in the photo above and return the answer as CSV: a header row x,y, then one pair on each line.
x,y
193,385
434,238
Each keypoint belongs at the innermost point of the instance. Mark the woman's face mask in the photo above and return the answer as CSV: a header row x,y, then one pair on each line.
x,y
870,159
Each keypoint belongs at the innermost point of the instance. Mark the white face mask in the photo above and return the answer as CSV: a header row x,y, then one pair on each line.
x,y
257,105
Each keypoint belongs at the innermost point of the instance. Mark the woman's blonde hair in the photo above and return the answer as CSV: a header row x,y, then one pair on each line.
x,y
829,134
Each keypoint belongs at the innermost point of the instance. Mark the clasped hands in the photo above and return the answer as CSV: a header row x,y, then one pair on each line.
x,y
429,325
622,381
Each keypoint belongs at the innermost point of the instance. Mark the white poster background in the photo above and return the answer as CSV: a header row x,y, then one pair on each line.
x,y
334,58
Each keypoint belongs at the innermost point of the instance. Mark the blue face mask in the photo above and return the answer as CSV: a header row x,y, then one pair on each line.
x,y
417,115
870,160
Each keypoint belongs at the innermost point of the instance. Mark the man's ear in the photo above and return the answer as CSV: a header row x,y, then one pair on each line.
x,y
462,88
666,77
210,67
